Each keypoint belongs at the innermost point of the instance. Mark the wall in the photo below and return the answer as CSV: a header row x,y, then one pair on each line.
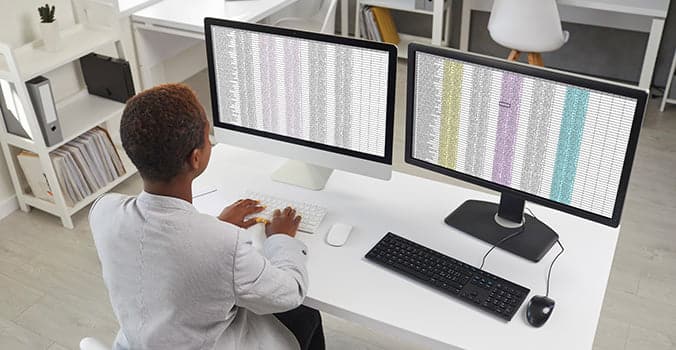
x,y
19,25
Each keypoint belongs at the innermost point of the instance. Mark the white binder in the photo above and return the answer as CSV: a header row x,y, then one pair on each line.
x,y
40,92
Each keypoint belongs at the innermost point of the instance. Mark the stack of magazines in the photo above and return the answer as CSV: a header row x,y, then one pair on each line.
x,y
378,25
83,166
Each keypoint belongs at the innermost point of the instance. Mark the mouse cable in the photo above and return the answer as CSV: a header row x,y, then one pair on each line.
x,y
558,241
514,234
510,236
549,274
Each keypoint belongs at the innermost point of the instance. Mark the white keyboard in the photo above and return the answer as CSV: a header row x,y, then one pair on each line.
x,y
311,214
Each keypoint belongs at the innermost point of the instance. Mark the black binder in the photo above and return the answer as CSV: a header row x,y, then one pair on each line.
x,y
107,77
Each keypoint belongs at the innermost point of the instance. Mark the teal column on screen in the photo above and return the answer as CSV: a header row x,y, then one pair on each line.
x,y
568,149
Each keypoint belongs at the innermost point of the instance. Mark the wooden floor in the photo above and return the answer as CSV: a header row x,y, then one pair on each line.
x,y
52,295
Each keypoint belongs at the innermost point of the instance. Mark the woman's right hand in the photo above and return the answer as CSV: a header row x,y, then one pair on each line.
x,y
283,222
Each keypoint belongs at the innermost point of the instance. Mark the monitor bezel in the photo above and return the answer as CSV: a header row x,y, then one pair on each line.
x,y
567,78
261,28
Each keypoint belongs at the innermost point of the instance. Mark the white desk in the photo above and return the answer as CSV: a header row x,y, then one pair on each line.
x,y
126,8
169,27
344,284
638,15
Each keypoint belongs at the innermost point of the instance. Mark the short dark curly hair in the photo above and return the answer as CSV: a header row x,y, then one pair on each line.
x,y
160,127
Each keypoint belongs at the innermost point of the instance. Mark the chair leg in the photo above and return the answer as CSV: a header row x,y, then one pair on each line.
x,y
514,55
535,58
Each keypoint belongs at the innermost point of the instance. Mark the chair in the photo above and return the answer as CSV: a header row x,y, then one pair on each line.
x,y
323,21
92,344
531,26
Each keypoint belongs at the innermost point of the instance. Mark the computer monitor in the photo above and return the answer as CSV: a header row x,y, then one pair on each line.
x,y
324,101
557,139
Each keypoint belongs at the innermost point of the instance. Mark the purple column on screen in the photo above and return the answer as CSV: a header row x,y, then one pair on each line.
x,y
292,89
343,90
508,120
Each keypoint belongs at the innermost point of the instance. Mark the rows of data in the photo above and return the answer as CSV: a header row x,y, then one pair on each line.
x,y
560,142
327,93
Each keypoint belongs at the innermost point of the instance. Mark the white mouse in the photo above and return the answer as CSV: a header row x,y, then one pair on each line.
x,y
338,234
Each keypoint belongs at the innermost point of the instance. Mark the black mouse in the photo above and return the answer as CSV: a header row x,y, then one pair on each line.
x,y
539,309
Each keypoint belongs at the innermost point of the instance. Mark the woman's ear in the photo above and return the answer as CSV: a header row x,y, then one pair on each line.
x,y
195,159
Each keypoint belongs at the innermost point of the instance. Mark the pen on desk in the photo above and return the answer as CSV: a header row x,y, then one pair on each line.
x,y
204,194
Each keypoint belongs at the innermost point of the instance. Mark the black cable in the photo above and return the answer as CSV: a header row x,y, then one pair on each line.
x,y
549,274
531,213
558,241
514,234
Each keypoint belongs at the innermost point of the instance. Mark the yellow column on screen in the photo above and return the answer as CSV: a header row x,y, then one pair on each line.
x,y
450,114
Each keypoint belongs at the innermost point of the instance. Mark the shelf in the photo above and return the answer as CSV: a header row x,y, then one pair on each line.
x,y
52,208
400,5
83,112
407,39
77,114
128,166
409,6
76,42
41,204
21,142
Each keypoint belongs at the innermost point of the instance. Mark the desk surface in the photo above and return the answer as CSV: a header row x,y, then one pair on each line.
x,y
343,283
651,8
127,7
189,15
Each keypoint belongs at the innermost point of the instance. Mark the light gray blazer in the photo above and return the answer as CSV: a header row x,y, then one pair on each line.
x,y
179,279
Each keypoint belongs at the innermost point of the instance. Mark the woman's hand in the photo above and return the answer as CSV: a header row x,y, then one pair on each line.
x,y
238,211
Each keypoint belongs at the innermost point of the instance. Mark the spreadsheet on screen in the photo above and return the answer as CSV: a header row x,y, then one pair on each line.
x,y
316,91
553,140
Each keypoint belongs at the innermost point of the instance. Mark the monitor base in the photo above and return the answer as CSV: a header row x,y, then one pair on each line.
x,y
297,173
478,219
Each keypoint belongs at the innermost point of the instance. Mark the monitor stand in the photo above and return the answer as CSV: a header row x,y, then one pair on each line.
x,y
491,223
301,174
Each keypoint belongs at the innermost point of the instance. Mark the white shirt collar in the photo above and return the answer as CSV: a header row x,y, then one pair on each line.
x,y
154,200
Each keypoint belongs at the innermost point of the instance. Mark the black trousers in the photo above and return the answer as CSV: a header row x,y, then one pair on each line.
x,y
306,325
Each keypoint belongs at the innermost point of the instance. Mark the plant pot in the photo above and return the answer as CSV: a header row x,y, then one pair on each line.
x,y
51,37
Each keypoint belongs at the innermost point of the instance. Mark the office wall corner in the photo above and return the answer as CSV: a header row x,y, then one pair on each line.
x,y
8,206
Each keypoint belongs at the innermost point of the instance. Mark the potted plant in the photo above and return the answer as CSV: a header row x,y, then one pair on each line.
x,y
51,37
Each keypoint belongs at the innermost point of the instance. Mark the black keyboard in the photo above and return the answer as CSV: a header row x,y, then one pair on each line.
x,y
467,283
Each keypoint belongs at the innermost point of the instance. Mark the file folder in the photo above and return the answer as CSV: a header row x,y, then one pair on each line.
x,y
107,77
41,96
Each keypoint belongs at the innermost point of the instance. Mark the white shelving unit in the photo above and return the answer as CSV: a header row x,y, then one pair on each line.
x,y
76,114
666,99
441,16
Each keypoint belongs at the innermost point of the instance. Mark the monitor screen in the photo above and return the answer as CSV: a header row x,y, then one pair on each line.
x,y
554,140
292,88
